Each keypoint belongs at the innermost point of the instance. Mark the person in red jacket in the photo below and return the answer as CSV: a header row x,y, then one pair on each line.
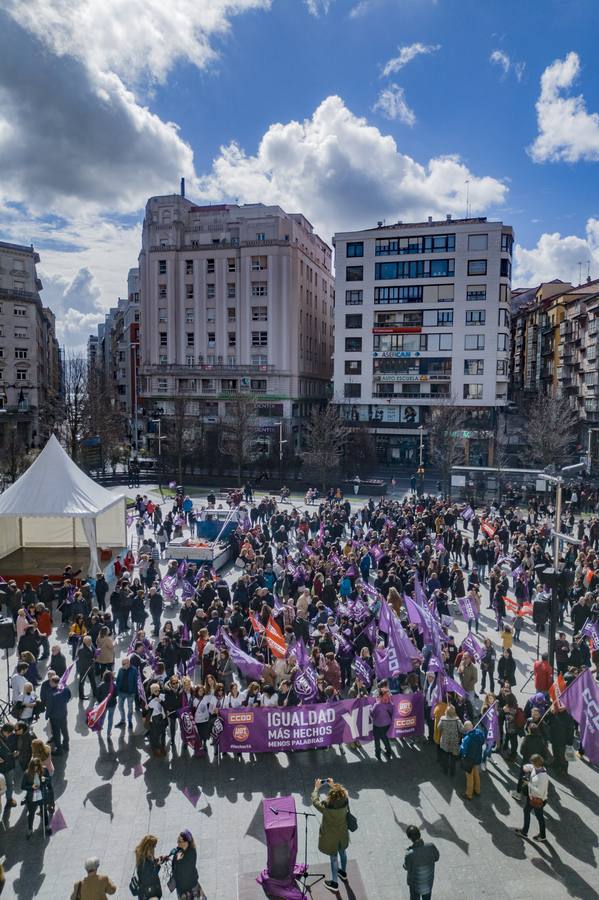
x,y
44,626
543,673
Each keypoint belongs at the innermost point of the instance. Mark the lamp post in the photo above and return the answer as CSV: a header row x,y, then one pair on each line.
x,y
279,425
421,460
133,346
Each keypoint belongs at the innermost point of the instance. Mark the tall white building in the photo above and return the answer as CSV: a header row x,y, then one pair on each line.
x,y
422,317
234,299
30,368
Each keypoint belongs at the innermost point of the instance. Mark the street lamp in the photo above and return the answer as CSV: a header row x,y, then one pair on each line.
x,y
558,481
133,346
279,425
421,460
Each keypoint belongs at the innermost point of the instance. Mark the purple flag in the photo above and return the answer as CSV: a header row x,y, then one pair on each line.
x,y
467,513
363,670
247,665
305,683
182,569
191,795
140,690
407,545
385,616
439,546
381,663
57,822
371,591
473,647
581,699
169,585
492,724
467,608
64,679
302,656
188,590
370,632
591,630
451,685
376,552
402,651
185,633
189,733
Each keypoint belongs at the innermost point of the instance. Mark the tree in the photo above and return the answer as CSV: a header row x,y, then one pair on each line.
x,y
183,437
360,452
75,403
550,431
15,457
239,432
445,436
326,437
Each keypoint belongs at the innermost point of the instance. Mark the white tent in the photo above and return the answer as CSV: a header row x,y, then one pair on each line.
x,y
55,504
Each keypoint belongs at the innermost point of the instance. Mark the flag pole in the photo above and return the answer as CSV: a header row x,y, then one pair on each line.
x,y
486,713
563,693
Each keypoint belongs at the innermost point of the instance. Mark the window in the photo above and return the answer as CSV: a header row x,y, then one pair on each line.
x,y
211,339
231,314
354,298
353,366
189,360
259,263
474,367
473,392
353,345
259,314
506,243
355,249
502,366
163,339
258,384
478,241
162,359
412,294
475,316
259,338
20,310
259,359
211,314
503,318
503,293
422,268
1,355
162,266
259,289
502,342
210,266
21,332
354,273
352,390
231,266
162,291
476,292
162,385
190,339
162,315
189,266
505,270
445,317
445,341
189,291
230,290
474,342
21,374
260,236
434,243
189,316
477,266
231,339
210,291
208,386
353,321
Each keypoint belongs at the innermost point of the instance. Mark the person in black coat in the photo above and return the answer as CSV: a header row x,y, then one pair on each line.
x,y
39,794
184,863
506,669
147,868
85,666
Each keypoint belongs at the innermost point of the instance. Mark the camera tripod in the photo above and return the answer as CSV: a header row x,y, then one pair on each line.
x,y
303,879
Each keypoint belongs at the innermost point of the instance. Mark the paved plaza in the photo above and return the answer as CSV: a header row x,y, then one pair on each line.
x,y
111,793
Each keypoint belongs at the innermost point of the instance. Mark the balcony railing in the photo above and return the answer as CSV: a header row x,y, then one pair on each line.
x,y
19,293
216,369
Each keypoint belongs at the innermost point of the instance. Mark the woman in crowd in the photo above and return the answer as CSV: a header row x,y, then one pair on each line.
x,y
333,835
184,868
147,869
39,795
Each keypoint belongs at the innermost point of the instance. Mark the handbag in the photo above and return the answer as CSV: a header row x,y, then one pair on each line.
x,y
536,802
134,885
352,822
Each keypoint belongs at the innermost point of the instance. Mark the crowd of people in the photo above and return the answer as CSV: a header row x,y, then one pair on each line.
x,y
154,646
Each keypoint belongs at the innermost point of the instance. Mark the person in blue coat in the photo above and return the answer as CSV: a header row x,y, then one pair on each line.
x,y
471,753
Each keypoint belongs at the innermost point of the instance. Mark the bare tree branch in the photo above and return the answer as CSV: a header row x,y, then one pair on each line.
x,y
550,431
326,436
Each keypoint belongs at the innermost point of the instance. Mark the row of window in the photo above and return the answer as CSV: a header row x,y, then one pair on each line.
x,y
259,289
20,332
211,385
258,338
419,293
21,375
20,353
430,318
258,314
354,391
433,243
424,268
257,264
16,310
411,343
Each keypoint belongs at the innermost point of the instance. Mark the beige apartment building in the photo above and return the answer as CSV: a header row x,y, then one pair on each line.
x,y
234,300
30,368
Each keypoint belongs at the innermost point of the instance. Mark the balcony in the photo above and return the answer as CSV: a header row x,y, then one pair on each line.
x,y
216,369
20,294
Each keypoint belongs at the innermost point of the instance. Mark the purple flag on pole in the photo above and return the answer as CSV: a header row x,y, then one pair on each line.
x,y
407,545
95,716
64,680
451,685
591,630
302,656
305,683
189,733
401,651
492,724
439,545
381,663
385,616
467,513
182,568
376,552
581,699
140,690
188,590
363,670
185,633
247,665
473,647
169,585
467,608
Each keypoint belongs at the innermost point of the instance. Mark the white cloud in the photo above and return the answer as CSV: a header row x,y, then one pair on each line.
x,y
76,304
406,55
132,38
344,173
566,130
317,8
361,8
502,59
557,256
391,103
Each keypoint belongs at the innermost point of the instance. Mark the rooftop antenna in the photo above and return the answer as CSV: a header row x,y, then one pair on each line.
x,y
182,187
579,272
467,198
588,271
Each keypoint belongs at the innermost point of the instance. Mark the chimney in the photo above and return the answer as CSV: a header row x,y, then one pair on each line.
x,y
448,217
379,224
430,219
182,187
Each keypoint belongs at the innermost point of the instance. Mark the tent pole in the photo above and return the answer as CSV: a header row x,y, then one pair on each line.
x,y
74,533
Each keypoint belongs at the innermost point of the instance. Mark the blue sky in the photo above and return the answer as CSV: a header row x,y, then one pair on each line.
x,y
396,103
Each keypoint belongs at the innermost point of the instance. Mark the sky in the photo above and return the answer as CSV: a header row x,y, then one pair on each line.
x,y
350,111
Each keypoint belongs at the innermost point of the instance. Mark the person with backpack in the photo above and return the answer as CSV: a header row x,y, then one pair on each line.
x,y
537,783
471,753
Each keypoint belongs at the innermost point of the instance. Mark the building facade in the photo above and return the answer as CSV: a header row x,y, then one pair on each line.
x,y
234,300
421,319
30,366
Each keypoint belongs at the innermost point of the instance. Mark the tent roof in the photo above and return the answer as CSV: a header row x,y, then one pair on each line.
x,y
55,487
